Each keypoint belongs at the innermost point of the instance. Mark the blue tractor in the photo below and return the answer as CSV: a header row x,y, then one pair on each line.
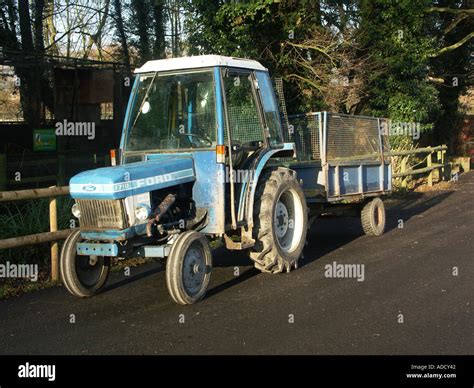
x,y
204,157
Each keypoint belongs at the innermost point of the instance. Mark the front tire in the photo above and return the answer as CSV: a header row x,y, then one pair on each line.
x,y
83,276
188,268
281,222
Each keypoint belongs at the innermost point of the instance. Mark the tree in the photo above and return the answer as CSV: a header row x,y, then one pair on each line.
x,y
16,22
141,20
119,22
450,64
398,36
333,69
159,24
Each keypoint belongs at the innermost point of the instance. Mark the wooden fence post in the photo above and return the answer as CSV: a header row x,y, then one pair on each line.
x,y
403,168
429,163
443,161
53,227
439,160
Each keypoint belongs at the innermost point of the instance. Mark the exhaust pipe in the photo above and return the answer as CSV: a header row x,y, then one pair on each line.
x,y
160,211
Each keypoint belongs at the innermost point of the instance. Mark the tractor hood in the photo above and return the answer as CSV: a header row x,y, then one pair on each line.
x,y
132,179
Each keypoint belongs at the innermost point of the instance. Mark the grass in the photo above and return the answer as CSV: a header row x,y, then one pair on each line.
x,y
26,218
16,287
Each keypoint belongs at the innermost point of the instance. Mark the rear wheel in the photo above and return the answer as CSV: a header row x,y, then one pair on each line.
x,y
281,221
373,217
188,268
83,276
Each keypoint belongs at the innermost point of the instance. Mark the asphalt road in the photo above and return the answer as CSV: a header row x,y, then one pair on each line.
x,y
408,271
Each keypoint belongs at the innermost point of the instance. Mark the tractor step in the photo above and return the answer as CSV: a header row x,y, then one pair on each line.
x,y
238,245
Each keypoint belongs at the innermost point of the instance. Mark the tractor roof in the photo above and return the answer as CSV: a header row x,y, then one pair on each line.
x,y
197,62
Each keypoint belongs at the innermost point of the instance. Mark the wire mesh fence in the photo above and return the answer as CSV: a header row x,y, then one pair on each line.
x,y
347,137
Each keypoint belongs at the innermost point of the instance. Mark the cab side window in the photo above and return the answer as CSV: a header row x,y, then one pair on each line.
x,y
242,108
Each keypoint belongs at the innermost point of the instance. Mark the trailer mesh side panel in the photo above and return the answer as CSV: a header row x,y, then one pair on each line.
x,y
348,137
352,137
304,132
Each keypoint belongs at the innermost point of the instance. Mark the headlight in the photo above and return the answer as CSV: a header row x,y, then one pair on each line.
x,y
76,210
142,212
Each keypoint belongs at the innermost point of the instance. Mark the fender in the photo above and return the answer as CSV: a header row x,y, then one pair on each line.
x,y
249,188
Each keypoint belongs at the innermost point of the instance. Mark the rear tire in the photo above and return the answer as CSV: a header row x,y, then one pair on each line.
x,y
188,268
280,222
83,276
373,217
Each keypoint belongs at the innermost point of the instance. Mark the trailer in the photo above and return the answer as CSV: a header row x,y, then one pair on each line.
x,y
343,160
205,155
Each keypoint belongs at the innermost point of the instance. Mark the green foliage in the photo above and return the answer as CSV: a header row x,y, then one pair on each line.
x,y
27,218
397,35
402,38
254,30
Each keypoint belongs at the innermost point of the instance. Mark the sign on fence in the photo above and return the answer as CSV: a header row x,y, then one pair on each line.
x,y
44,140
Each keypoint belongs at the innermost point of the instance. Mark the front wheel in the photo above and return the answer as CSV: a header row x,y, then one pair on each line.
x,y
188,268
83,276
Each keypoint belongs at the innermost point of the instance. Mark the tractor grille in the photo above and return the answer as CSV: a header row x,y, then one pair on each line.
x,y
102,214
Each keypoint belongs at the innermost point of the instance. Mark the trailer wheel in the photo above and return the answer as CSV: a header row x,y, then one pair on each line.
x,y
83,276
373,217
188,268
281,220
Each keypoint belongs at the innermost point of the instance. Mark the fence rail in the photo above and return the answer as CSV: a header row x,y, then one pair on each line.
x,y
40,171
53,236
440,164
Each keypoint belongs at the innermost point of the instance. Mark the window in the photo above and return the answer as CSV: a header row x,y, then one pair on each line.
x,y
270,108
173,111
244,120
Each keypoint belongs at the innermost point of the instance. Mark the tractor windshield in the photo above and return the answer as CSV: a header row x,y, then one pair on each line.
x,y
173,111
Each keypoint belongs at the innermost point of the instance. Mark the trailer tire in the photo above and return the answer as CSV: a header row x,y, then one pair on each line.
x,y
188,268
373,217
80,277
280,222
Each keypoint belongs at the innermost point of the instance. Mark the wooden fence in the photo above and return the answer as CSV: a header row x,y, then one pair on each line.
x,y
439,164
53,236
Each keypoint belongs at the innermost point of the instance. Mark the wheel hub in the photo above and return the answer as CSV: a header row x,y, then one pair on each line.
x,y
281,219
193,274
93,260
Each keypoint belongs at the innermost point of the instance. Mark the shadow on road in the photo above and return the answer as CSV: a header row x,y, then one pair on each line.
x,y
331,233
326,235
248,274
412,205
153,269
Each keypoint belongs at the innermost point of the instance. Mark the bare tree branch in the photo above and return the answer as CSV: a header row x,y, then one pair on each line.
x,y
454,46
451,10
